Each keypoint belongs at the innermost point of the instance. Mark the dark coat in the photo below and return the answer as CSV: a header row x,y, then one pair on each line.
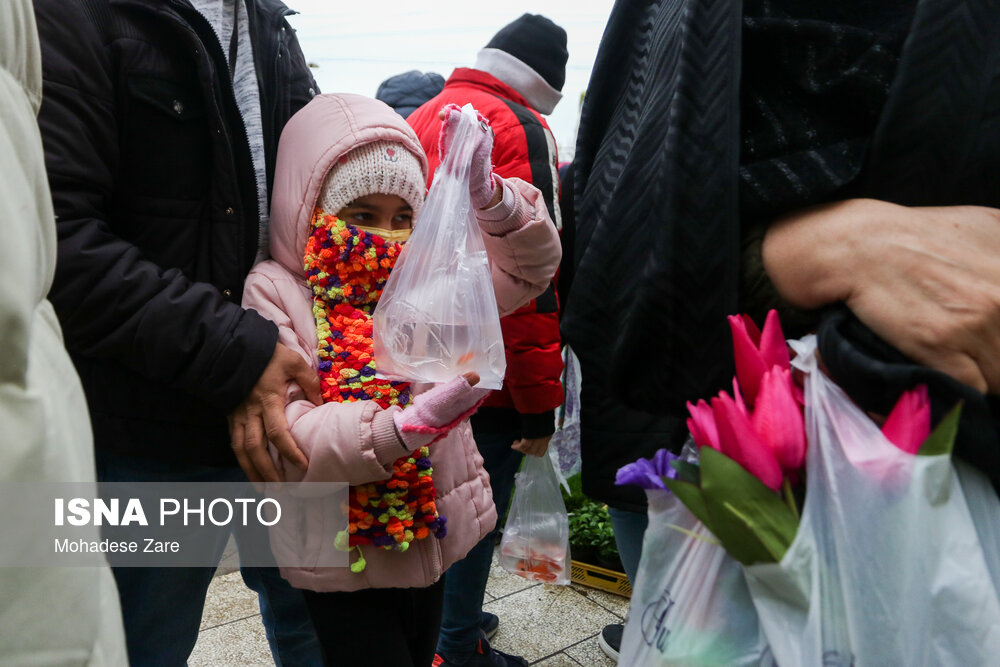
x,y
157,212
659,213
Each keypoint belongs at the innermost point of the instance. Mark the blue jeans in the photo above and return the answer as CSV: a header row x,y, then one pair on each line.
x,y
629,528
465,584
162,607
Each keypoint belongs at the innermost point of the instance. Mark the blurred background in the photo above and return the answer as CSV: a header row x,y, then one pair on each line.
x,y
354,46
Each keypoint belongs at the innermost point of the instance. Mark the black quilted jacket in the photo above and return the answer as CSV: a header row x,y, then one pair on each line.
x,y
155,195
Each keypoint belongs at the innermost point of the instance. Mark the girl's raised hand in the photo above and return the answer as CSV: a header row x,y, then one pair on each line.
x,y
483,184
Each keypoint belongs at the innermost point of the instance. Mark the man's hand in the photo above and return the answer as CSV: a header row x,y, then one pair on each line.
x,y
532,446
925,279
261,416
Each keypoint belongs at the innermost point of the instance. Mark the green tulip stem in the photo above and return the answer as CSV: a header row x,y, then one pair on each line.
x,y
786,488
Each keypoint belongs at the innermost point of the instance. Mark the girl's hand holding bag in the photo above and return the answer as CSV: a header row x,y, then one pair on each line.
x,y
438,317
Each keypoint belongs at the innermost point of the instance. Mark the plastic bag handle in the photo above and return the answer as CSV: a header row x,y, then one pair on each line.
x,y
458,158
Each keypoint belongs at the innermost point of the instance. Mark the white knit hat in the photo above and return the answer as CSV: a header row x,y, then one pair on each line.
x,y
381,167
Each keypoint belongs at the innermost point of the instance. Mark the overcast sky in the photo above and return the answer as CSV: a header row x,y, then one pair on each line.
x,y
360,43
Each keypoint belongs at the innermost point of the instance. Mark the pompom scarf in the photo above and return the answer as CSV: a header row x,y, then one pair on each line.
x,y
347,268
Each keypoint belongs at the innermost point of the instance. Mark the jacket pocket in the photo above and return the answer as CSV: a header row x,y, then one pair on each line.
x,y
166,150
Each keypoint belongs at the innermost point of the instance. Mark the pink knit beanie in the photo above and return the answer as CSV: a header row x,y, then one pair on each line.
x,y
381,167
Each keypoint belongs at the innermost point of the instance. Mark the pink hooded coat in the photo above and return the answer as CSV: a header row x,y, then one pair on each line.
x,y
345,442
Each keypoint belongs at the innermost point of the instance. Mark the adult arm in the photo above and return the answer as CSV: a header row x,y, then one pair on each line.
x,y
113,302
520,237
925,279
522,244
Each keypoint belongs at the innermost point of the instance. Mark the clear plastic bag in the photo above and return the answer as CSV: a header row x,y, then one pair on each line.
x,y
690,604
564,446
437,316
887,567
535,541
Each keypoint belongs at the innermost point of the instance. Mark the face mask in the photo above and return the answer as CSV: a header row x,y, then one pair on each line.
x,y
391,235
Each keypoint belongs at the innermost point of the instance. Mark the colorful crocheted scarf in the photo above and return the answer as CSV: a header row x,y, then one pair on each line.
x,y
347,269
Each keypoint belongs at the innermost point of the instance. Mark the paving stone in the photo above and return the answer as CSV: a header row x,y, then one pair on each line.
x,y
228,599
543,620
589,652
558,660
241,644
616,604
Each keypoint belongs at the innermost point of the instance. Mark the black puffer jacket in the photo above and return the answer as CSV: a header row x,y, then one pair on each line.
x,y
155,195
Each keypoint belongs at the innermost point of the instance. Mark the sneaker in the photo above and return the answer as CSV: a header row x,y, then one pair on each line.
x,y
488,623
610,640
483,656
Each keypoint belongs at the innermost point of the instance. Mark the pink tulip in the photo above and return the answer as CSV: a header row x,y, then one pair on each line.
x,y
778,419
755,352
738,397
740,441
909,423
773,348
752,329
701,423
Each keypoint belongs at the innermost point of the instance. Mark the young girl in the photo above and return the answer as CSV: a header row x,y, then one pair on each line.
x,y
349,181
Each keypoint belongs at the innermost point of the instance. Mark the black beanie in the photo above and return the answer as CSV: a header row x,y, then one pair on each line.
x,y
537,42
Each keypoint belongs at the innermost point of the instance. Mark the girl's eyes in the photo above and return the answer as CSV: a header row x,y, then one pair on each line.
x,y
403,217
361,216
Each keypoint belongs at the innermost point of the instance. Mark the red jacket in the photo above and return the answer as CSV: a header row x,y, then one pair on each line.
x,y
523,147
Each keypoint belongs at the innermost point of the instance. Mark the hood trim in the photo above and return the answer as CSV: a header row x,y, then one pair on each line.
x,y
540,96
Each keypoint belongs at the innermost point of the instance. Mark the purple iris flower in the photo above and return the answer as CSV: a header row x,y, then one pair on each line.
x,y
648,473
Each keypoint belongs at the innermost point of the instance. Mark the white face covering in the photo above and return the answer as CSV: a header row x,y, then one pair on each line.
x,y
391,235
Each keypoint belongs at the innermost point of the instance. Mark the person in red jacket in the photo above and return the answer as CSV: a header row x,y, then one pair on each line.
x,y
516,80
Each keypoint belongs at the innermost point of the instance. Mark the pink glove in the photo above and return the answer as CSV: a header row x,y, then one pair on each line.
x,y
482,181
434,413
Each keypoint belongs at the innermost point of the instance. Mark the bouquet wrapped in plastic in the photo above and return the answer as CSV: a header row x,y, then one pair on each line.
x,y
857,542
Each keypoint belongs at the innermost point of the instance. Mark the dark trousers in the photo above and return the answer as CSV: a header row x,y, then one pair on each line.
x,y
467,578
162,607
378,627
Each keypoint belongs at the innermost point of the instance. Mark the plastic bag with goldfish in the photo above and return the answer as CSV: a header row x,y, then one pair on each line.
x,y
535,541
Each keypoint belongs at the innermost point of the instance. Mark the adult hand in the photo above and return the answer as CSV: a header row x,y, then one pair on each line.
x,y
483,188
261,416
532,446
925,279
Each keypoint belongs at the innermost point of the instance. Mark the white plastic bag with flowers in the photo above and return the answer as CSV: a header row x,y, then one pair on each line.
x,y
690,604
438,317
887,566
887,562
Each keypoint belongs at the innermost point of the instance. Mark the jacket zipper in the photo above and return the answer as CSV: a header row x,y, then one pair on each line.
x,y
280,83
436,560
230,93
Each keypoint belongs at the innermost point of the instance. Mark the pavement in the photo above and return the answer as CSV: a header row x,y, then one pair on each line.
x,y
550,626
